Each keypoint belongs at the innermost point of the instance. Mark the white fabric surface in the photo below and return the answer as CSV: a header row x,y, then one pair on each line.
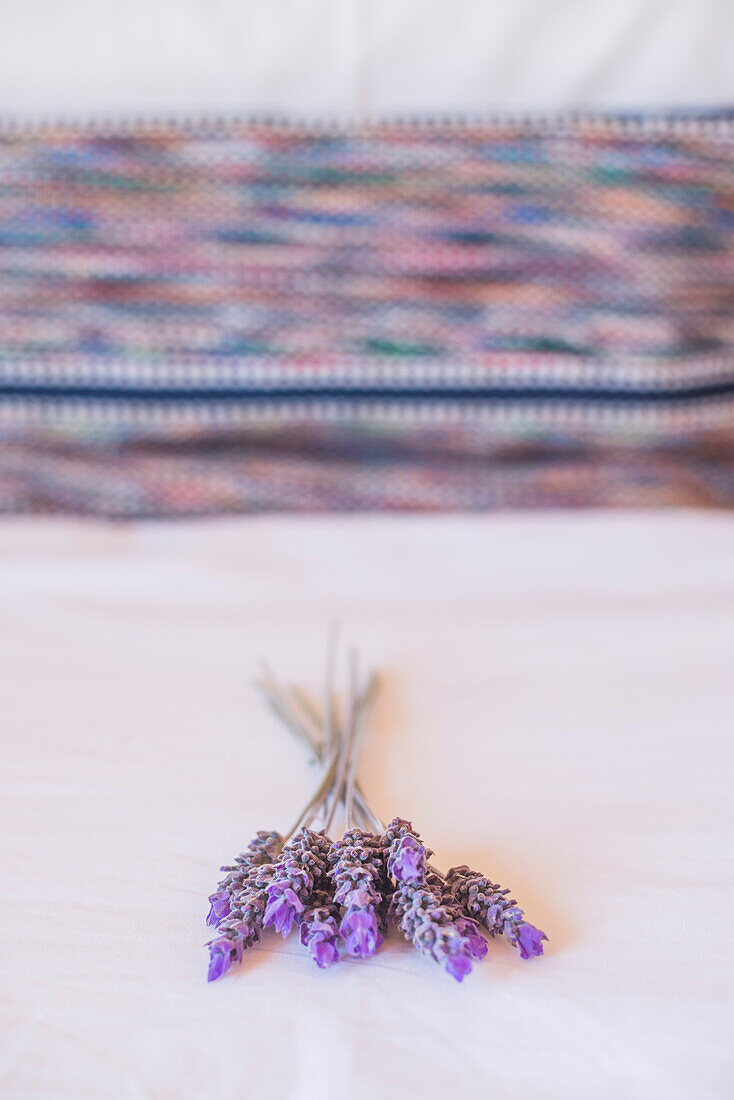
x,y
342,57
556,710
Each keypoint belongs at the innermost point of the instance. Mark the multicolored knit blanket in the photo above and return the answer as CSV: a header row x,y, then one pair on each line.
x,y
242,316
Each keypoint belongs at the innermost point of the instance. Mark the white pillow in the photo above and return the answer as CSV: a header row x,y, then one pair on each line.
x,y
375,56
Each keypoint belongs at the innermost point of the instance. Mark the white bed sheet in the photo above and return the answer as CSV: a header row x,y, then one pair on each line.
x,y
556,709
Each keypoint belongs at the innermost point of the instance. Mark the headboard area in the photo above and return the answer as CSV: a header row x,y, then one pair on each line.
x,y
222,315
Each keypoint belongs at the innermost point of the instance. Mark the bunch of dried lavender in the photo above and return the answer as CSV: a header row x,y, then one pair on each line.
x,y
442,916
343,892
363,865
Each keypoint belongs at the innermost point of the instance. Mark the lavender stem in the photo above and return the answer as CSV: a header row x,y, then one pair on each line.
x,y
283,702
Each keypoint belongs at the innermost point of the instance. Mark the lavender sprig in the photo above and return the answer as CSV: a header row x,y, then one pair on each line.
x,y
489,904
243,925
444,917
320,928
358,867
467,926
358,875
419,906
434,930
263,848
299,870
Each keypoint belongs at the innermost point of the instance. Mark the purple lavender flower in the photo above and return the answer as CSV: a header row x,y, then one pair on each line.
x,y
359,927
218,906
405,852
431,927
284,907
527,937
320,929
243,926
484,901
284,904
300,868
222,953
358,874
458,966
321,942
262,849
426,912
476,945
407,860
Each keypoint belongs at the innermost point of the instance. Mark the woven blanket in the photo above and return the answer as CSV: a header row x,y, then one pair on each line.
x,y
235,316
